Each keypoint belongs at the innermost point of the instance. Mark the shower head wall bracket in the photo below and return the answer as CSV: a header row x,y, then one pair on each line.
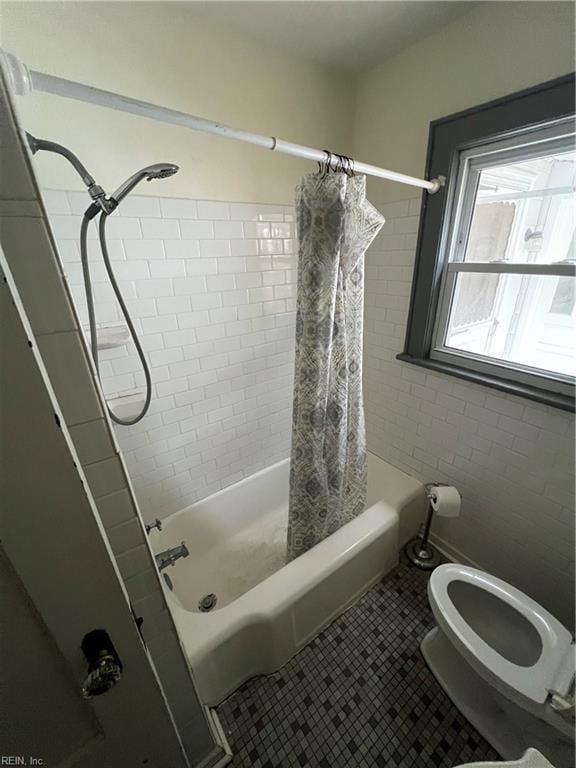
x,y
17,74
98,195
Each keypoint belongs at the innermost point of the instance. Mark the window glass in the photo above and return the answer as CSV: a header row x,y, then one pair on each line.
x,y
564,297
524,212
523,319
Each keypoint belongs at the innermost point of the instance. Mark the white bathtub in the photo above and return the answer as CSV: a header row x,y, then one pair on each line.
x,y
267,610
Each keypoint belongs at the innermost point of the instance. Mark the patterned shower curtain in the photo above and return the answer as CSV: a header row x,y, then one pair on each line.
x,y
328,473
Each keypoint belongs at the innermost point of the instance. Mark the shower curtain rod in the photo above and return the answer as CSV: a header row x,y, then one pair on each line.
x,y
23,81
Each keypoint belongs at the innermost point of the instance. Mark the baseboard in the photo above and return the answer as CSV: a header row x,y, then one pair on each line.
x,y
451,553
221,755
216,759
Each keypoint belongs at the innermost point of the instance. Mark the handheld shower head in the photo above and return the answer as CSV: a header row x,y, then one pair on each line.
x,y
156,171
162,171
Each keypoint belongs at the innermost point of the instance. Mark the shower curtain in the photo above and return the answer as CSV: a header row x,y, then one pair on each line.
x,y
328,473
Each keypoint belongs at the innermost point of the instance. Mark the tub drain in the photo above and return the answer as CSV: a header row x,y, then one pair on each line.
x,y
207,603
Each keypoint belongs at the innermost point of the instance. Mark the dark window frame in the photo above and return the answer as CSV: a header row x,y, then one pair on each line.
x,y
486,123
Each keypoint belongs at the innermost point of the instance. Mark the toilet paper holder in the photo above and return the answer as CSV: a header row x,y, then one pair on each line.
x,y
419,551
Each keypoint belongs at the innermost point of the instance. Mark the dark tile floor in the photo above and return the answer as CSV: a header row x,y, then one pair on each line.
x,y
360,695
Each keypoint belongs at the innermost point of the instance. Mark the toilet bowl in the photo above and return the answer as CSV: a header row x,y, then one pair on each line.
x,y
513,671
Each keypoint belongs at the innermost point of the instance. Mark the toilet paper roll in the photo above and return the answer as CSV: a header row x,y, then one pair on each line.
x,y
445,501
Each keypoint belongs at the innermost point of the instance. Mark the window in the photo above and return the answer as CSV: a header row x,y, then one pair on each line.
x,y
509,272
494,293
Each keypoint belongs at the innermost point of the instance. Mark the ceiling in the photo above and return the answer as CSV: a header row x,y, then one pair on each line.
x,y
348,35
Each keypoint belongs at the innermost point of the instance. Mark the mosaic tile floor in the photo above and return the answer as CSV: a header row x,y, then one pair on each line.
x,y
359,696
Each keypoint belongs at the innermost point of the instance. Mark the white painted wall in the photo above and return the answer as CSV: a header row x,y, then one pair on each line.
x,y
496,49
164,53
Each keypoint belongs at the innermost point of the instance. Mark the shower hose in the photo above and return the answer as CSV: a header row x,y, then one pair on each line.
x,y
88,216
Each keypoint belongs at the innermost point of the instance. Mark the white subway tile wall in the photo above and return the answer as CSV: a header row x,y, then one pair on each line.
x,y
211,287
512,459
218,324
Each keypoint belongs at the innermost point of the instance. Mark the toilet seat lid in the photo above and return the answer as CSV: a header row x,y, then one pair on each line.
x,y
554,667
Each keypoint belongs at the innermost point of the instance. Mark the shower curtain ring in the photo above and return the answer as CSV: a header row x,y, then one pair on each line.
x,y
323,165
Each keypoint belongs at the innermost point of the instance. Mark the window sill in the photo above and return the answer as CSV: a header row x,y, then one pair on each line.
x,y
554,399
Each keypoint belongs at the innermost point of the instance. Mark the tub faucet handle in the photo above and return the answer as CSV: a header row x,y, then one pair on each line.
x,y
156,524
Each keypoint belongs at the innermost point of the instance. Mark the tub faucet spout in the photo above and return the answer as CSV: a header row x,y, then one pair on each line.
x,y
169,556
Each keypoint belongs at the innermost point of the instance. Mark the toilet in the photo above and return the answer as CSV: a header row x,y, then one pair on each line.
x,y
531,759
506,662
